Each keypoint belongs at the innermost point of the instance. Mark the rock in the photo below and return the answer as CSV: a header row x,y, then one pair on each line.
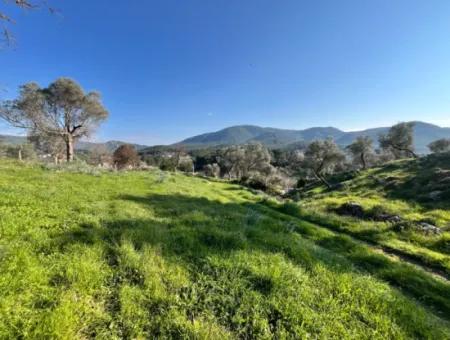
x,y
391,179
428,228
351,209
435,195
388,218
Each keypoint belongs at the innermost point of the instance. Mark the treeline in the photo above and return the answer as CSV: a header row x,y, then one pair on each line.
x,y
56,117
280,170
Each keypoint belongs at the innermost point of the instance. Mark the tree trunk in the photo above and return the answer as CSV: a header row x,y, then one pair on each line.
x,y
69,148
363,161
19,153
322,179
413,154
55,159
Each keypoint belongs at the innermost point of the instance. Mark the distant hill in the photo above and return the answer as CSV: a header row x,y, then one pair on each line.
x,y
82,145
280,138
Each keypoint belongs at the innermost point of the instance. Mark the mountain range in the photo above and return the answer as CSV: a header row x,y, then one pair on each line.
x,y
81,146
424,133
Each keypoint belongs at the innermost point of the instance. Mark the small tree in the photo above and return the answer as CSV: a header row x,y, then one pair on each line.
x,y
321,157
185,163
212,170
62,110
229,160
360,149
125,156
440,145
399,140
241,160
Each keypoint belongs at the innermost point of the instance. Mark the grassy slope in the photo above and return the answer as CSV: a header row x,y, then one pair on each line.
x,y
400,188
150,254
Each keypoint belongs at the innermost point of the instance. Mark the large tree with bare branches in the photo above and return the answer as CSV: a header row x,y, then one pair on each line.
x,y
62,110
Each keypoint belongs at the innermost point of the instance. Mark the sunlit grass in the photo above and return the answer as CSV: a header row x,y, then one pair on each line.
x,y
401,188
145,255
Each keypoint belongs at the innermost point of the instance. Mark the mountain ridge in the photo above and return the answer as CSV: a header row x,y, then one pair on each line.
x,y
110,145
424,134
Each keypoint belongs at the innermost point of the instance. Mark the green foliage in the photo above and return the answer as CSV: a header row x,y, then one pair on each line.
x,y
126,255
440,145
399,140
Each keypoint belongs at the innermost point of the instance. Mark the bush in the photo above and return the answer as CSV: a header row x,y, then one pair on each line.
x,y
125,156
77,166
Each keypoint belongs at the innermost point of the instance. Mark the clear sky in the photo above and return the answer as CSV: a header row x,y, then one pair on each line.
x,y
170,69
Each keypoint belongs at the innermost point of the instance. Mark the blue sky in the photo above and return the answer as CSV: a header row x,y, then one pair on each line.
x,y
171,69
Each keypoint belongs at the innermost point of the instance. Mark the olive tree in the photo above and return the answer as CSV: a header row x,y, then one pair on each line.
x,y
399,140
322,157
241,160
360,150
62,110
440,145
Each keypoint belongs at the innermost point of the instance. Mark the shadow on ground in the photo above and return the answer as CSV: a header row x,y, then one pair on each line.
x,y
190,229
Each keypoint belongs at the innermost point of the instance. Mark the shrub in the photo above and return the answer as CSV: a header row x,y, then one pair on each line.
x,y
125,156
77,166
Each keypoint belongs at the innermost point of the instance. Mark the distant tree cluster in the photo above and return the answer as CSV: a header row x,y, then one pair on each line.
x,y
440,145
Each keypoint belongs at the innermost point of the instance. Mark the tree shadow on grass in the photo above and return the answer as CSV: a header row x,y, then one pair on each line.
x,y
191,229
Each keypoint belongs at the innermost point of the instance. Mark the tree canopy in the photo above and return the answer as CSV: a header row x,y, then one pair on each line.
x,y
61,110
321,157
440,145
360,149
399,140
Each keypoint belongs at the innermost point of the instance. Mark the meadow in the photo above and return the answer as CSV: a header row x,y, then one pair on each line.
x,y
151,254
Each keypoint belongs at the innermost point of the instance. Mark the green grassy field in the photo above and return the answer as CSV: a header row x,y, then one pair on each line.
x,y
158,255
